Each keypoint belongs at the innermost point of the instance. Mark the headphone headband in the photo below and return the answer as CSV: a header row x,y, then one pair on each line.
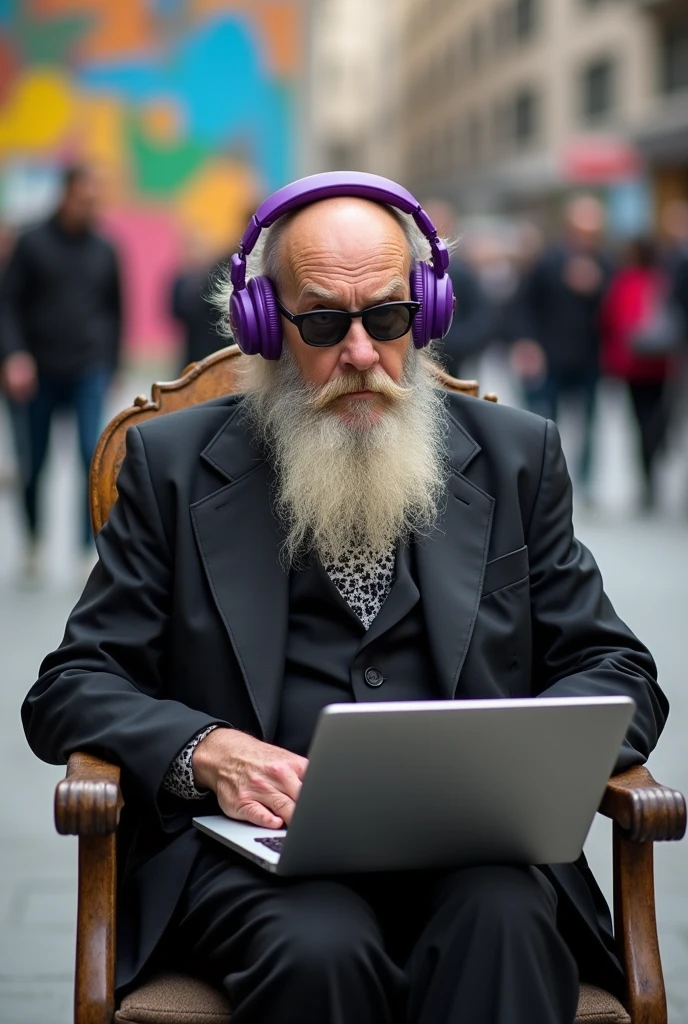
x,y
324,186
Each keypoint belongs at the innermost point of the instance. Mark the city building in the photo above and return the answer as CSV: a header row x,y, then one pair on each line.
x,y
663,138
507,104
355,85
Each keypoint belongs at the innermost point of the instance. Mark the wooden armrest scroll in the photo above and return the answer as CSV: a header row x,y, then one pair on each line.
x,y
89,800
643,813
88,804
646,811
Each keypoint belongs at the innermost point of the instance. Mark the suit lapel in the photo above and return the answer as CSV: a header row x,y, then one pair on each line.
x,y
451,564
239,540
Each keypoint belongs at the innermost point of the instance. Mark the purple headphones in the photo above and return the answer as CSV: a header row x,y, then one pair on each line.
x,y
253,313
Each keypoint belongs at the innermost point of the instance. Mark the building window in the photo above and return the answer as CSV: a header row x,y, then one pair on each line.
x,y
475,139
477,47
502,29
597,88
501,133
526,110
525,19
675,60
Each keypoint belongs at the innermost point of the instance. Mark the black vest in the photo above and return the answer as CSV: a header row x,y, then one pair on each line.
x,y
331,658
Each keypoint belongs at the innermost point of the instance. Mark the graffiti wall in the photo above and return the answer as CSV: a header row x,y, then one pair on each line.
x,y
188,106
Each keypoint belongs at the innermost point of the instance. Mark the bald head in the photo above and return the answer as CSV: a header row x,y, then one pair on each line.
x,y
346,251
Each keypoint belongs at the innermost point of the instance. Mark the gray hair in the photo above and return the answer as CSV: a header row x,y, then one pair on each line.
x,y
265,260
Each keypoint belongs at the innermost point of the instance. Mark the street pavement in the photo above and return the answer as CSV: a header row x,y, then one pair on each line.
x,y
645,566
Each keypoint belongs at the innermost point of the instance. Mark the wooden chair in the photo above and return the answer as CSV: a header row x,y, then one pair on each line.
x,y
88,803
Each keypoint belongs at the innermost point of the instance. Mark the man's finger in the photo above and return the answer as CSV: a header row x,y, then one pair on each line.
x,y
299,764
285,779
281,805
257,814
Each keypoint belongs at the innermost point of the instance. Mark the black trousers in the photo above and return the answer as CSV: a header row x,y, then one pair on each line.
x,y
479,944
650,407
544,398
85,397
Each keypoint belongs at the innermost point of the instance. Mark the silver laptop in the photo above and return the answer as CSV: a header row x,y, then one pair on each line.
x,y
427,784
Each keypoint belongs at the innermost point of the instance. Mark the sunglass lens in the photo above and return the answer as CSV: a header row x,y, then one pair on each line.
x,y
326,328
387,322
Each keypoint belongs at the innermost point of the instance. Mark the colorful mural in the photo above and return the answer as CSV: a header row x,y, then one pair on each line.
x,y
187,105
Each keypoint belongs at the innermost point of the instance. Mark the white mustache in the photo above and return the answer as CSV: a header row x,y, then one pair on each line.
x,y
368,380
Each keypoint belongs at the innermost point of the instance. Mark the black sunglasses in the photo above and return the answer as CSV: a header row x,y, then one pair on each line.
x,y
325,327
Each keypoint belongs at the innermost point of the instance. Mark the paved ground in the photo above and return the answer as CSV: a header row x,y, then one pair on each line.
x,y
645,565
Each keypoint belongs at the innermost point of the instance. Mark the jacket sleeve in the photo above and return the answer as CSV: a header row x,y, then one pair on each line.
x,y
680,288
102,690
116,311
580,646
13,295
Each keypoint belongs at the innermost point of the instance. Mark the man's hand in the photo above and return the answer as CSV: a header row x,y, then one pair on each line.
x,y
18,376
253,781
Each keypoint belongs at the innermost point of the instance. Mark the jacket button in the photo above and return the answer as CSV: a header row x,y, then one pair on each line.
x,y
373,677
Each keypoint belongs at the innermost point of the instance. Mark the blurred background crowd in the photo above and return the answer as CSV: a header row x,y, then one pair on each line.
x,y
549,140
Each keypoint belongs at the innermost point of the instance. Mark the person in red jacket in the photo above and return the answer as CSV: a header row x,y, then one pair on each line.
x,y
636,290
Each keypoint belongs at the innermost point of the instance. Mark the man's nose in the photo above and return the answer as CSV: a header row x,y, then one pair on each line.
x,y
358,349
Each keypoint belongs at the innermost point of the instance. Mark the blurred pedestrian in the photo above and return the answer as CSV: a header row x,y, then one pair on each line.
x,y
674,231
674,224
17,411
60,325
561,302
637,349
473,325
189,301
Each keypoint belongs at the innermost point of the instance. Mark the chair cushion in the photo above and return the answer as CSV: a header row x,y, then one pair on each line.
x,y
595,1006
174,999
179,999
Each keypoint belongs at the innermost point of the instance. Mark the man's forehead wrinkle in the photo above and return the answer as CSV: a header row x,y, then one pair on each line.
x,y
317,266
372,286
319,255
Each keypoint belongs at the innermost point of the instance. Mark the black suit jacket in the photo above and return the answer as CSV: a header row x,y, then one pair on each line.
x,y
183,622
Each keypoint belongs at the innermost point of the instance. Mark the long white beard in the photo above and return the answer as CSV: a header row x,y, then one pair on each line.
x,y
364,483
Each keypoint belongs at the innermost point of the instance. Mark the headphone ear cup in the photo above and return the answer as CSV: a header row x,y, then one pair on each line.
x,y
418,330
242,320
436,294
267,317
444,305
255,319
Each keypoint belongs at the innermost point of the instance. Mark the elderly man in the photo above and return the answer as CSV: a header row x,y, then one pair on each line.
x,y
268,548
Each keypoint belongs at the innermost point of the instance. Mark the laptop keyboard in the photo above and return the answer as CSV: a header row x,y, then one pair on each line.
x,y
272,842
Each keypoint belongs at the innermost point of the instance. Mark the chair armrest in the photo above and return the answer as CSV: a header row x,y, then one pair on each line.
x,y
643,812
88,800
88,804
646,811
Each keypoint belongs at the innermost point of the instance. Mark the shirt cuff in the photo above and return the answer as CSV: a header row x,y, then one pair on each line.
x,y
179,778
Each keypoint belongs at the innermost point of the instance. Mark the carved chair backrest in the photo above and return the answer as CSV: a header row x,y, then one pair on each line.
x,y
211,378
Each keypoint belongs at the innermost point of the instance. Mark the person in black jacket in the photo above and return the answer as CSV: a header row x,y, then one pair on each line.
x,y
560,304
475,322
342,531
189,304
60,326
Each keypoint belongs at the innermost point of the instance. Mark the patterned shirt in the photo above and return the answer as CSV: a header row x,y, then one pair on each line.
x,y
364,580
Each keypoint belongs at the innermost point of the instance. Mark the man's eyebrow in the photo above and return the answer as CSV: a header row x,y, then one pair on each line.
x,y
315,291
396,285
